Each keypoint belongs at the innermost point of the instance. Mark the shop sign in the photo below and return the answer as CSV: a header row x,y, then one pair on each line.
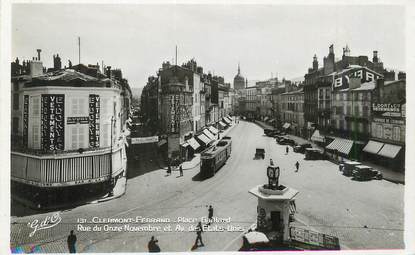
x,y
52,122
141,140
387,110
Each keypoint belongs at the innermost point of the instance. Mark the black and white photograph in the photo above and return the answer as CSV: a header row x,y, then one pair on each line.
x,y
214,127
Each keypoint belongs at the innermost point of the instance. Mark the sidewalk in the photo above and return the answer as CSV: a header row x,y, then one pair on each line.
x,y
388,174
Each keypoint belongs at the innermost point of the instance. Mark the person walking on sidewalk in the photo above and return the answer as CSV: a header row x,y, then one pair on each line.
x,y
181,170
153,246
286,150
199,231
271,163
210,214
297,166
169,169
71,242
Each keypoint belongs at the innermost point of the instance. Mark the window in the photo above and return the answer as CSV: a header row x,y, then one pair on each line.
x,y
356,110
379,131
344,97
342,124
365,111
360,96
78,135
15,101
349,110
396,133
79,106
35,106
35,137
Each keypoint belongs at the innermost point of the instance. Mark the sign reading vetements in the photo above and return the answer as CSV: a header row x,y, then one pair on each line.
x,y
94,115
52,122
25,119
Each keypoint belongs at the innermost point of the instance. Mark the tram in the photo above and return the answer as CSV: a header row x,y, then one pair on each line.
x,y
214,158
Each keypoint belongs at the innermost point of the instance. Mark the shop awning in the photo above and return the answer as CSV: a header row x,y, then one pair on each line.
x,y
286,125
229,118
222,124
226,120
204,139
341,145
213,130
373,147
193,143
271,120
184,145
266,118
389,150
209,134
316,137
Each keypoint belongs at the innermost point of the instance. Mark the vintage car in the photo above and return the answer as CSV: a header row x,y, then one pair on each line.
x,y
362,172
269,132
286,141
301,148
313,154
349,166
259,153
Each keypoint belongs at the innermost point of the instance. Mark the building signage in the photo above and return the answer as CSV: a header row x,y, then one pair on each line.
x,y
174,116
75,120
52,122
25,120
387,110
314,238
389,121
141,140
94,123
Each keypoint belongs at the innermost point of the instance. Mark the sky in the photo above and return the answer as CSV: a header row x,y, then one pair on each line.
x,y
267,40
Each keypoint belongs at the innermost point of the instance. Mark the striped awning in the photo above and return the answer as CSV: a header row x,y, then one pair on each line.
x,y
209,134
229,118
204,139
226,120
184,145
193,143
222,124
286,125
341,145
316,137
389,150
213,130
373,147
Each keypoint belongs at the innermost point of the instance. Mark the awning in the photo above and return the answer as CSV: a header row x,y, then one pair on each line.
x,y
161,142
193,143
271,120
184,145
222,124
229,118
209,134
341,145
316,137
226,120
256,237
286,125
373,147
204,139
213,130
266,118
389,150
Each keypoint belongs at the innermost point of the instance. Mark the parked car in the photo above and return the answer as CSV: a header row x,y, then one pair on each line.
x,y
362,172
286,141
313,154
269,132
301,148
349,166
259,153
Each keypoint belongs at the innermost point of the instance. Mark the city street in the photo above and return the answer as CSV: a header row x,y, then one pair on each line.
x,y
363,215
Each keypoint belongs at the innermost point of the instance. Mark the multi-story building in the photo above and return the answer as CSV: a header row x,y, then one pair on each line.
x,y
334,75
69,132
265,103
388,121
250,101
292,111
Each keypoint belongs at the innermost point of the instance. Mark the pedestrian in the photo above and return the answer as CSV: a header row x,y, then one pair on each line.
x,y
199,231
210,214
71,242
181,170
169,169
218,136
152,245
297,165
286,150
271,163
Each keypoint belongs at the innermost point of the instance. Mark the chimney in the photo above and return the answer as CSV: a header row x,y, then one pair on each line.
x,y
402,76
375,56
331,50
380,83
38,54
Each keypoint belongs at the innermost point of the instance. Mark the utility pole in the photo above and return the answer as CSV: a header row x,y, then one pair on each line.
x,y
79,50
176,56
